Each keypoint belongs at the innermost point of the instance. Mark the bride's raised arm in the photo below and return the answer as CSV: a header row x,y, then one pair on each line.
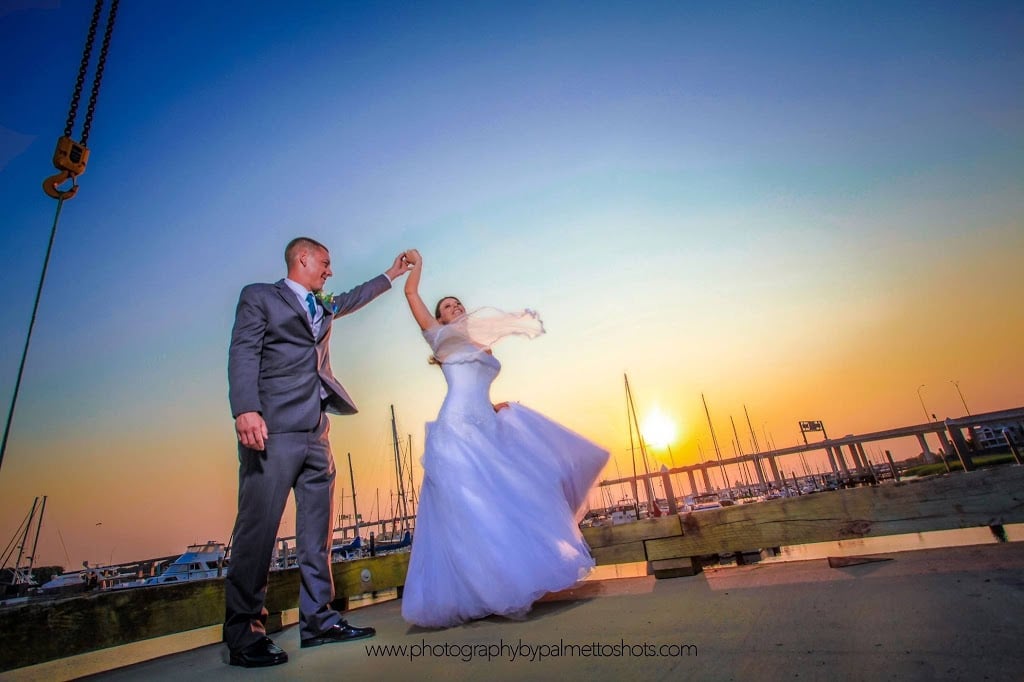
x,y
412,292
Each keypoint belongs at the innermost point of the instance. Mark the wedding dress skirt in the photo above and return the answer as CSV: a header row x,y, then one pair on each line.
x,y
501,496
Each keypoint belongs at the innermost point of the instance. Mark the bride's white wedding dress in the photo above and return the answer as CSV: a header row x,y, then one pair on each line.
x,y
497,522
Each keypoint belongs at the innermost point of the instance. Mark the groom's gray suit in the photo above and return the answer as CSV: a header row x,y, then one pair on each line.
x,y
278,368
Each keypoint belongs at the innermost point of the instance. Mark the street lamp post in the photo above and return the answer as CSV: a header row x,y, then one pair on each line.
x,y
959,393
927,415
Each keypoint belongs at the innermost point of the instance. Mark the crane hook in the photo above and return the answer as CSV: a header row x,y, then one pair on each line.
x,y
69,158
50,185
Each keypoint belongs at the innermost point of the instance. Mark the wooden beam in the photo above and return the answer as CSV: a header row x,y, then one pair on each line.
x,y
625,553
41,631
675,568
604,536
963,500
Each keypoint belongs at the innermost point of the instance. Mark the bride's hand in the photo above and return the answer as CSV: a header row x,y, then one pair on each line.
x,y
399,267
413,257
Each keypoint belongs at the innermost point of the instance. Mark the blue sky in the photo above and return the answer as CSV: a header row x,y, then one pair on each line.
x,y
811,210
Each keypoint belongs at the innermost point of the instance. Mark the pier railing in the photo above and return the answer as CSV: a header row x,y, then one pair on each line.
x,y
673,545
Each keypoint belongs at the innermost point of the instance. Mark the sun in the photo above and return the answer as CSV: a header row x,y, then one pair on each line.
x,y
658,429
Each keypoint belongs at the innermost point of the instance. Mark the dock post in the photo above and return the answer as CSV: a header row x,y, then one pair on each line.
x,y
946,448
673,508
1013,448
832,461
957,436
867,463
842,463
929,456
892,467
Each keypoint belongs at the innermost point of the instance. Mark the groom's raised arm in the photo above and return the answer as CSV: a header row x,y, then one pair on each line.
x,y
351,301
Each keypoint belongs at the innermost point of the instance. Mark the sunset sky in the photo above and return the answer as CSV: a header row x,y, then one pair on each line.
x,y
810,211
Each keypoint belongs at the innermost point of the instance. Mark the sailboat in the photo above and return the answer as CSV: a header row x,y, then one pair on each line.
x,y
398,540
17,580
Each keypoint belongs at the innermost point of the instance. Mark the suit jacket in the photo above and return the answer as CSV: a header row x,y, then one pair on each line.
x,y
276,366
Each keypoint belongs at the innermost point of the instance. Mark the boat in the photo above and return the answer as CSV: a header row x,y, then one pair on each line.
x,y
199,562
345,549
94,578
17,580
624,511
64,583
390,544
703,502
350,550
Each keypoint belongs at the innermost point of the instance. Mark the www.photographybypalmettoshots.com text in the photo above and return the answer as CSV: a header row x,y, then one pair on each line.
x,y
532,652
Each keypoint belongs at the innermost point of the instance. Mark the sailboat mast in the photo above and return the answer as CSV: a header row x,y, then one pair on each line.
x,y
718,451
632,453
24,538
412,481
341,509
762,474
39,527
355,508
648,486
400,507
739,452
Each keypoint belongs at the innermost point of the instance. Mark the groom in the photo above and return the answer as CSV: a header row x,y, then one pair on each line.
x,y
280,387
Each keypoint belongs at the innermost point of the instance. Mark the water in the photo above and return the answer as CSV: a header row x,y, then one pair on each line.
x,y
885,544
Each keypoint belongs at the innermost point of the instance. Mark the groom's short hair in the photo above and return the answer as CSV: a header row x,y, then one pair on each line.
x,y
291,252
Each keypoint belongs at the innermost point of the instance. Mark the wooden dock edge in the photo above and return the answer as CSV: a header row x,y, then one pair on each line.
x,y
103,660
672,546
152,617
137,624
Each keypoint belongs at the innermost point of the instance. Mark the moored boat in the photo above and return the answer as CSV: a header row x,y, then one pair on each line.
x,y
199,562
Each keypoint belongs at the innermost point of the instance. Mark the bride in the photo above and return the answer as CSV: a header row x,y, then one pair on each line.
x,y
503,486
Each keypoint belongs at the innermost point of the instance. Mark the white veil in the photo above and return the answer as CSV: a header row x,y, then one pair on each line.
x,y
480,329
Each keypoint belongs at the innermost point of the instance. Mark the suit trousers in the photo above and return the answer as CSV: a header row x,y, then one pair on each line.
x,y
301,461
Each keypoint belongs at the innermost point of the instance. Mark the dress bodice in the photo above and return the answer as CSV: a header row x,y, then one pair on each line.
x,y
469,385
469,370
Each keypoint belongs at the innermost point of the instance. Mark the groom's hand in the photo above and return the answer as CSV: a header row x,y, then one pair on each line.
x,y
399,267
251,430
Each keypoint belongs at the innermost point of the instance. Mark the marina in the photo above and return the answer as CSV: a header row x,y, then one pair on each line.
x,y
781,220
884,620
645,557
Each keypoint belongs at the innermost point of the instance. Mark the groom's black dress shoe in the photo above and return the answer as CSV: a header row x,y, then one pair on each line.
x,y
342,632
259,655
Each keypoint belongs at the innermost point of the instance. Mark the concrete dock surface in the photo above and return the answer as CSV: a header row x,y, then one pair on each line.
x,y
940,614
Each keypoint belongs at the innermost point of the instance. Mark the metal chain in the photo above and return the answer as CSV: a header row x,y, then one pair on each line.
x,y
99,71
80,81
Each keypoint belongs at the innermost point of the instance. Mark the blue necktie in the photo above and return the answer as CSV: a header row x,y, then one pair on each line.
x,y
311,302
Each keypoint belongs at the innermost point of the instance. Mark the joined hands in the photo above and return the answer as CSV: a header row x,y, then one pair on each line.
x,y
403,263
